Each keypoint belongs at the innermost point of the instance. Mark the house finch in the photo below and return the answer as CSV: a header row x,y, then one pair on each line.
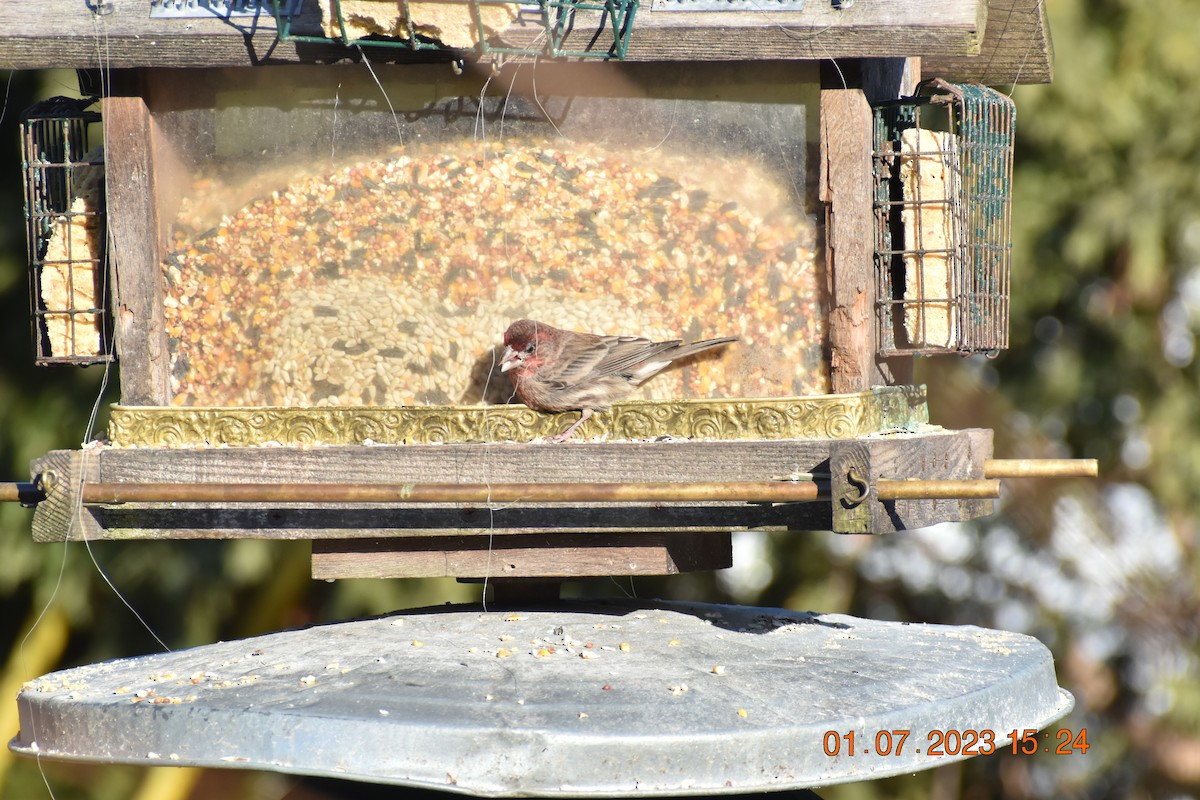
x,y
558,370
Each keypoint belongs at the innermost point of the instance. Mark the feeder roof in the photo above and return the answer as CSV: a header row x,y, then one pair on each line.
x,y
997,42
612,699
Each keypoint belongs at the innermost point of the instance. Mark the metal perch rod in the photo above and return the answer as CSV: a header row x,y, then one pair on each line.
x,y
937,490
20,492
750,492
759,491
1041,468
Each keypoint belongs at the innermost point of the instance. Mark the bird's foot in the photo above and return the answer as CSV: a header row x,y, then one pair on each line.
x,y
565,435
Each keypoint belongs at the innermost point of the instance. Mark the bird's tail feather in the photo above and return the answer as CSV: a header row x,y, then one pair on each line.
x,y
690,349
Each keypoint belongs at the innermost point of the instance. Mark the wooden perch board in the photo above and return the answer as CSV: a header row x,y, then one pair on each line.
x,y
614,462
519,539
951,454
522,556
954,33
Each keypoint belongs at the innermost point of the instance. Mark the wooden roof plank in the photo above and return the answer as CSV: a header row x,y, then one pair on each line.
x,y
1017,48
997,42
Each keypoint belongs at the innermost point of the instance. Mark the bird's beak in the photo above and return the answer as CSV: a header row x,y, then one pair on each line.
x,y
509,359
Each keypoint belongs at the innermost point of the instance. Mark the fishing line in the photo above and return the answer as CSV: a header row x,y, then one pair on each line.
x,y
7,89
1028,50
538,100
387,99
670,129
337,99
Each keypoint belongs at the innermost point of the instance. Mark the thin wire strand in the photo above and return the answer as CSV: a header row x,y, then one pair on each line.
x,y
387,99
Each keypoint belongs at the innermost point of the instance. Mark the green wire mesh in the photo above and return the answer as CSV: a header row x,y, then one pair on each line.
x,y
943,199
555,19
65,232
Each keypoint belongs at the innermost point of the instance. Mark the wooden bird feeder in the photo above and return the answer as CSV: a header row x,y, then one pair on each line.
x,y
301,228
321,216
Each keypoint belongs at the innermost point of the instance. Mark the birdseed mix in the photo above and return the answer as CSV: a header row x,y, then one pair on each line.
x,y
391,281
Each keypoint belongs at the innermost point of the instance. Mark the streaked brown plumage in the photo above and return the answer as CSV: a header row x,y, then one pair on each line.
x,y
557,370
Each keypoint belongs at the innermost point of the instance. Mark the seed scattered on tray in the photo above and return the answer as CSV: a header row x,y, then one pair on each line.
x,y
389,282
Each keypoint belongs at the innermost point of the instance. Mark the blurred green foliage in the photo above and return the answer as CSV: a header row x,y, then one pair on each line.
x,y
1106,305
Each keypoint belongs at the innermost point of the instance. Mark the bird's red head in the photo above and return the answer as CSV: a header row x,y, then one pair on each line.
x,y
520,344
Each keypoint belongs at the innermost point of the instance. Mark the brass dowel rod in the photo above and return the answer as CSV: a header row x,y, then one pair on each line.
x,y
1041,468
19,492
753,492
757,491
937,489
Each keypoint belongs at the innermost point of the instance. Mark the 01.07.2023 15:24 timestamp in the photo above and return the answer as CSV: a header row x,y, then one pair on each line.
x,y
950,742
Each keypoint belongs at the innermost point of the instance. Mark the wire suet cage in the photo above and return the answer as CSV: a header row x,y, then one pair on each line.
x,y
943,197
65,232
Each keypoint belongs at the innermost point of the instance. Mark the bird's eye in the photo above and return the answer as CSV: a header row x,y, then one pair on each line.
x,y
529,347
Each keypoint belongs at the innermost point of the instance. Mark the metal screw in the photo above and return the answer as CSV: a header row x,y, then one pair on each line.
x,y
862,489
46,481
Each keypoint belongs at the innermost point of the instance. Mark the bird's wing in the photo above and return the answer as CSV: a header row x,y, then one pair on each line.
x,y
572,361
629,355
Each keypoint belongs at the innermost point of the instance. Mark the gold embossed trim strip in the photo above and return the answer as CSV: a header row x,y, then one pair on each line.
x,y
836,416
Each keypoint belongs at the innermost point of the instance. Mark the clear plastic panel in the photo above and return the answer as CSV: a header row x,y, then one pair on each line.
x,y
347,236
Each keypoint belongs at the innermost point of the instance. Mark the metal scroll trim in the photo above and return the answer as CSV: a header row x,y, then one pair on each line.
x,y
835,416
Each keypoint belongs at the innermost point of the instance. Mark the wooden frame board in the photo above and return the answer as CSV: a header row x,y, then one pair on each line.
x,y
521,540
992,41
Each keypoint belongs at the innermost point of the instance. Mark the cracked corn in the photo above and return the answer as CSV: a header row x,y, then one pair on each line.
x,y
391,281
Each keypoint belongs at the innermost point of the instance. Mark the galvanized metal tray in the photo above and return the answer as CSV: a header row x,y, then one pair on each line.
x,y
619,699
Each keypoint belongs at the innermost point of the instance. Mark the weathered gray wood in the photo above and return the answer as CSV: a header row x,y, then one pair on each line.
x,y
67,33
857,465
611,462
468,463
59,473
931,453
846,188
135,235
1017,48
522,556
